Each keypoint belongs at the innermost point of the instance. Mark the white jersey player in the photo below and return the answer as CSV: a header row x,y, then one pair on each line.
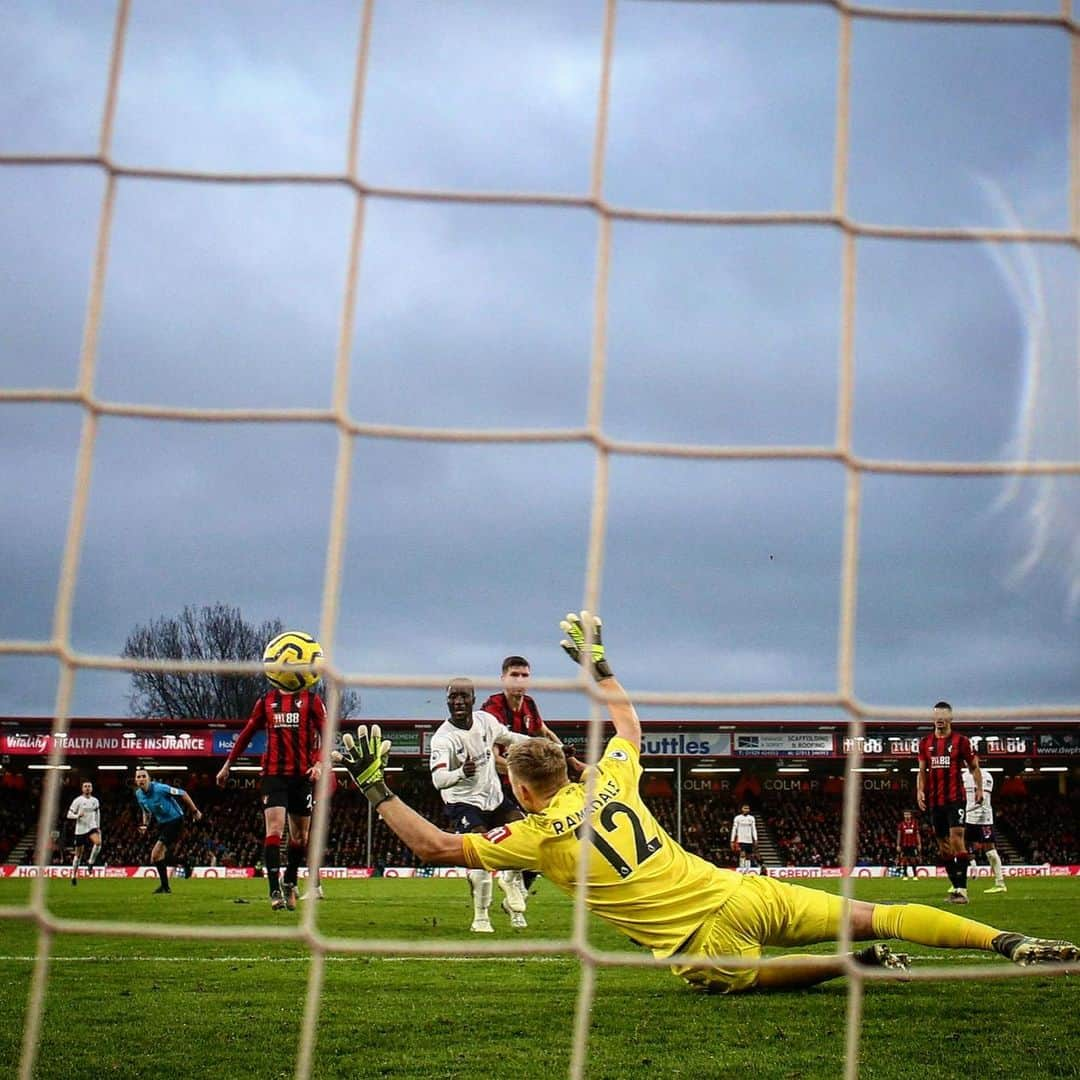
x,y
744,835
979,825
463,761
85,811
979,813
463,769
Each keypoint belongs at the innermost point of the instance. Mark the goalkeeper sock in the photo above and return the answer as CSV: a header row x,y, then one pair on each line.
x,y
480,883
995,864
163,872
272,852
293,860
925,925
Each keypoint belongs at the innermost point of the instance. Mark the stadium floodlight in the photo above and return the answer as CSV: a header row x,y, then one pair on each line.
x,y
659,768
710,769
112,768
1053,768
792,769
43,767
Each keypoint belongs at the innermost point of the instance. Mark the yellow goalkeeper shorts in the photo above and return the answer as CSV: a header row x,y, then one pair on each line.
x,y
760,912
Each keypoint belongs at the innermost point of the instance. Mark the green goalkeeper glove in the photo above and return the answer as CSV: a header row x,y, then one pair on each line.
x,y
577,627
365,760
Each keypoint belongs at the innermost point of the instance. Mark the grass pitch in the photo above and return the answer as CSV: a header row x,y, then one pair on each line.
x,y
132,1007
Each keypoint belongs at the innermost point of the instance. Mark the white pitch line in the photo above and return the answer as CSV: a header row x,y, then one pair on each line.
x,y
392,959
298,959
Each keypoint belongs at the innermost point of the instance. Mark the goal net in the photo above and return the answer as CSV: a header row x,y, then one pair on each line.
x,y
349,426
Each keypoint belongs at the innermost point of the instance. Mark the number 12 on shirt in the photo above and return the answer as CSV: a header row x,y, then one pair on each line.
x,y
644,847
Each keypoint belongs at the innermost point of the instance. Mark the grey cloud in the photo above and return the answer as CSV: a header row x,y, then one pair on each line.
x,y
482,317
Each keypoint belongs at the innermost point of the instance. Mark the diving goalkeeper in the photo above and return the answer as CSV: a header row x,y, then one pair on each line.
x,y
650,888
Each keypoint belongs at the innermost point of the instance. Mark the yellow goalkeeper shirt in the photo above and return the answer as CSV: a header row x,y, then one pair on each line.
x,y
639,879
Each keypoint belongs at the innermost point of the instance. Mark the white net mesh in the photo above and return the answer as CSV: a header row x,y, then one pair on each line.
x,y
59,645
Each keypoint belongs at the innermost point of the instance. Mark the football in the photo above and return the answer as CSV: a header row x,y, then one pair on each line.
x,y
282,655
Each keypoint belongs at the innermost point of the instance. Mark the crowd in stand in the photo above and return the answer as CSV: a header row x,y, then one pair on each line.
x,y
18,809
808,829
706,824
806,823
231,832
1047,826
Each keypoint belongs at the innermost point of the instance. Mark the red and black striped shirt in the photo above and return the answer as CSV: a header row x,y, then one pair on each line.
x,y
525,720
293,724
944,759
907,834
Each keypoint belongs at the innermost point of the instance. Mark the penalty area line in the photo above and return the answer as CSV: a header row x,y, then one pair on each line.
x,y
337,959
330,959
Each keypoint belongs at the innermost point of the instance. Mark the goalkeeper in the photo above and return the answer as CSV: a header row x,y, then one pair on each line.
x,y
646,885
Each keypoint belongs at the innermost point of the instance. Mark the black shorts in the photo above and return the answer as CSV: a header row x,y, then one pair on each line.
x,y
85,841
949,816
979,834
295,793
465,818
909,853
747,849
168,832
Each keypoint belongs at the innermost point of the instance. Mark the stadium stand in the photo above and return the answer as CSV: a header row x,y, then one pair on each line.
x,y
805,821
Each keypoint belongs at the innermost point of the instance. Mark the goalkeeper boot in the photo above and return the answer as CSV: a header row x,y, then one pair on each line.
x,y
880,955
1026,951
997,888
277,901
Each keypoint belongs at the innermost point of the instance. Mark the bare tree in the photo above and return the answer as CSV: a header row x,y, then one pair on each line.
x,y
211,633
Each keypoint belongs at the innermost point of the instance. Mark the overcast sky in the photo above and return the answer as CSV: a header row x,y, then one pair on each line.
x,y
718,576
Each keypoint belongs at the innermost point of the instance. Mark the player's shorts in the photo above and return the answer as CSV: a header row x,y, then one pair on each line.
x,y
761,911
85,841
909,852
949,816
168,832
747,849
295,793
979,834
465,818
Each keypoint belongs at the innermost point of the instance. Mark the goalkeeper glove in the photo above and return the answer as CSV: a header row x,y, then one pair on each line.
x,y
365,760
576,627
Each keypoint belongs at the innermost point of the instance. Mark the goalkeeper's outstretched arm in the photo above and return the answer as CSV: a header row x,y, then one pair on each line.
x,y
365,760
426,841
584,644
621,710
